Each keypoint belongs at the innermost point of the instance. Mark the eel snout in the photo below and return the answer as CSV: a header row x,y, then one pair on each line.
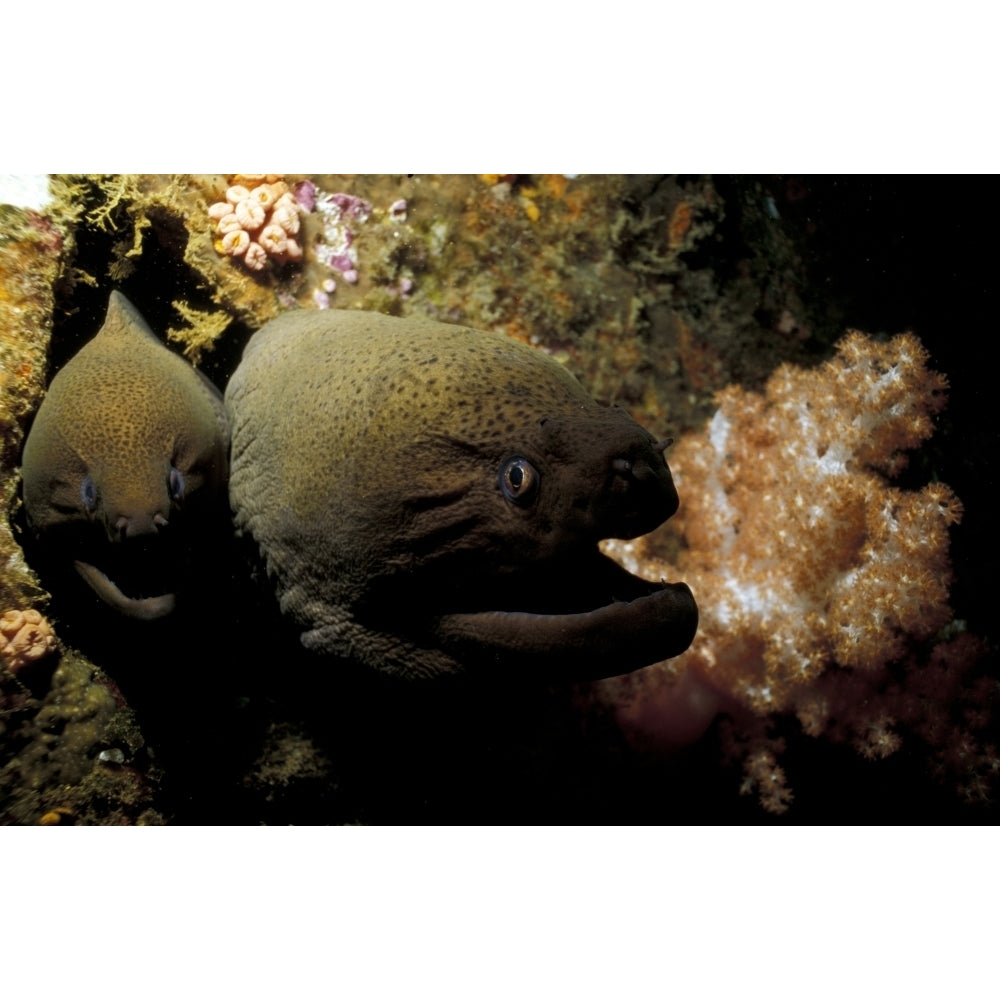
x,y
139,525
638,494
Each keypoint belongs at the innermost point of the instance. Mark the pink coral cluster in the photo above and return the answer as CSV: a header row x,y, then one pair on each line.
x,y
258,225
25,637
803,557
339,213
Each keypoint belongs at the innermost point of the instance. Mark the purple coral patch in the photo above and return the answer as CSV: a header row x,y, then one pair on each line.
x,y
305,194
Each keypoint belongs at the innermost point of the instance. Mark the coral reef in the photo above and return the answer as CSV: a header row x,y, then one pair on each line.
x,y
813,574
657,292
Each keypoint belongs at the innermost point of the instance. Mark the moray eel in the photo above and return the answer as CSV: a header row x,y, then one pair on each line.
x,y
126,457
428,499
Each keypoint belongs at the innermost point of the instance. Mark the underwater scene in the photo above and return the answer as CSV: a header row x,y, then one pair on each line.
x,y
411,499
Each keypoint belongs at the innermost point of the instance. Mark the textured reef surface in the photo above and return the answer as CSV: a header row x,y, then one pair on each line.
x,y
833,519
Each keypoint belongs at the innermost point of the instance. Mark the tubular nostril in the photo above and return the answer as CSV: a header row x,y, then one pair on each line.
x,y
639,471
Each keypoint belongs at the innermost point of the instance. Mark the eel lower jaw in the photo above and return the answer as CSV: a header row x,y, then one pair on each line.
x,y
143,608
614,639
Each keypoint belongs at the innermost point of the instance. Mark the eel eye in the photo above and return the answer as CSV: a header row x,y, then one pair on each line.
x,y
518,480
88,494
175,483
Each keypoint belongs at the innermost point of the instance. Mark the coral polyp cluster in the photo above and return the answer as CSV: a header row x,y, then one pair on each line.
x,y
25,637
801,554
258,225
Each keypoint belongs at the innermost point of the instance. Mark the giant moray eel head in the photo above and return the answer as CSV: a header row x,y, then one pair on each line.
x,y
126,456
429,498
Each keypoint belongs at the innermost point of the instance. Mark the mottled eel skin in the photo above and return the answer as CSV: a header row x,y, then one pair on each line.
x,y
429,498
127,452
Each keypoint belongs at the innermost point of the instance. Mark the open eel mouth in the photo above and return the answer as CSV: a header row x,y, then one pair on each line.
x,y
137,577
597,624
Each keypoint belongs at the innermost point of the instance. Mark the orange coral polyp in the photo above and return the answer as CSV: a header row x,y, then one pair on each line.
x,y
236,242
255,257
286,217
251,214
228,224
273,239
264,196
